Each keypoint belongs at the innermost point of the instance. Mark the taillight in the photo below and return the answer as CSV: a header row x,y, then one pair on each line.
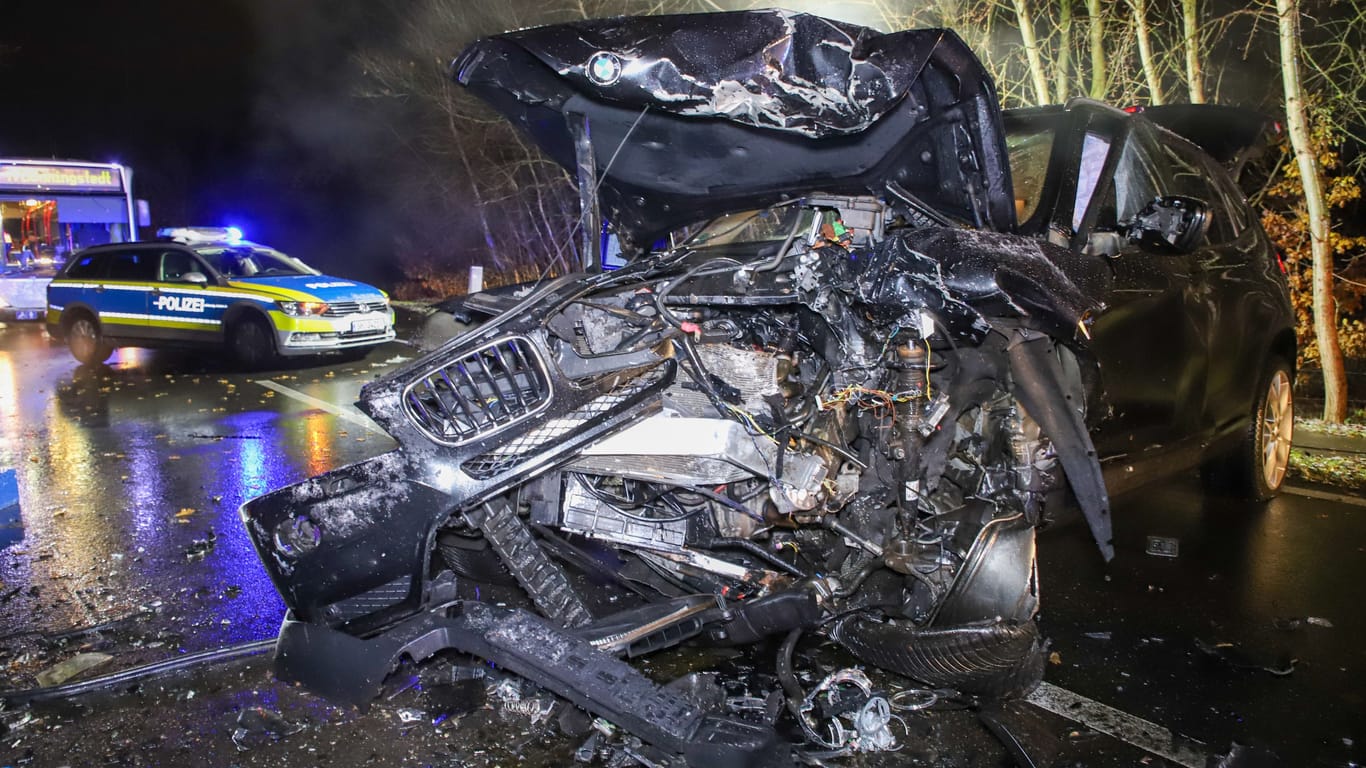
x,y
1280,262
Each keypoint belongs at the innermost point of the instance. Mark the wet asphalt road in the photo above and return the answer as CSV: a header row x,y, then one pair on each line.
x,y
130,477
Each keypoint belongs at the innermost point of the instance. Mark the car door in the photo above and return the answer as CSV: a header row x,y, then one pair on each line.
x,y
1228,261
121,294
1150,341
75,284
180,307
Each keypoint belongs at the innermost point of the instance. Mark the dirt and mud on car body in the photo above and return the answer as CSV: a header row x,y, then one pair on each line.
x,y
763,430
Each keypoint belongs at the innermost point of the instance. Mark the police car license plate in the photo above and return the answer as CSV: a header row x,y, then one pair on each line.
x,y
373,324
27,314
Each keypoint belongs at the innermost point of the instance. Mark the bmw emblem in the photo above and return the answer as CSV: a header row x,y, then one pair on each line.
x,y
604,68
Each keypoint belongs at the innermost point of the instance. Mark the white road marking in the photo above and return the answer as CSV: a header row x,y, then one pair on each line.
x,y
340,411
1133,730
1355,501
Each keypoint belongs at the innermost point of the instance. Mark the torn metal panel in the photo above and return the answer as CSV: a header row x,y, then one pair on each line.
x,y
764,104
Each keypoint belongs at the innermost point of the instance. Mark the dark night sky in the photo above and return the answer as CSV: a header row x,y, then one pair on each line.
x,y
228,111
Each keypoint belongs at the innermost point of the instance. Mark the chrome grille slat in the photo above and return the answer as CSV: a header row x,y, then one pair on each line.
x,y
516,451
479,392
342,308
510,374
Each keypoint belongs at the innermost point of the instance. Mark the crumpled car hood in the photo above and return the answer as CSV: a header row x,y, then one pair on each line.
x,y
690,116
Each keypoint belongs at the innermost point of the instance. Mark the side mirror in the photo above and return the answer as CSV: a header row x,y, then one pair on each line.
x,y
198,278
1173,222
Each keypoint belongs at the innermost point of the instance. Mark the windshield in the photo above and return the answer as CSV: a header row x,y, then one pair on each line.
x,y
253,261
767,225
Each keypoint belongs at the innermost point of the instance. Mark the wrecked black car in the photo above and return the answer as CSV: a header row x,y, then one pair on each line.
x,y
897,329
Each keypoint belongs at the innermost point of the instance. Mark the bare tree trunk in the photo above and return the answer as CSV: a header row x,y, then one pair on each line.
x,y
1190,18
479,204
1145,51
1064,72
1031,45
1297,125
1097,18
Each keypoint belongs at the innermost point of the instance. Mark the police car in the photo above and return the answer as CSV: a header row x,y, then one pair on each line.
x,y
203,286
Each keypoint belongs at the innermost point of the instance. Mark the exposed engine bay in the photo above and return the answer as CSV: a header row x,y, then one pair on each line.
x,y
730,447
831,412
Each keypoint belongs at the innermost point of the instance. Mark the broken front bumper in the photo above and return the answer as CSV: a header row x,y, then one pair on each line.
x,y
351,670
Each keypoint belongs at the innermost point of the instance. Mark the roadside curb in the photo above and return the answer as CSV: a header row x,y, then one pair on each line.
x,y
1323,442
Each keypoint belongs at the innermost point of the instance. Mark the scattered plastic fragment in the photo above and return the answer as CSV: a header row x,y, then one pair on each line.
x,y
63,671
1163,546
1298,622
450,700
258,726
199,548
588,750
511,702
848,693
1106,635
914,699
1243,756
1230,654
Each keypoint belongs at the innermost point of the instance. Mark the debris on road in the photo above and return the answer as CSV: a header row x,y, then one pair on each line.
x,y
1243,756
199,548
1231,654
1298,622
65,670
847,694
1163,546
258,726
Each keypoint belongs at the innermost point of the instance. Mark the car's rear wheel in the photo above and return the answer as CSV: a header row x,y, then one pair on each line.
x,y
86,342
252,343
1257,468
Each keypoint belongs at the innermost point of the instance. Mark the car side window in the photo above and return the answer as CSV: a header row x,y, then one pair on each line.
x,y
1136,183
1188,174
132,265
175,265
1095,148
84,267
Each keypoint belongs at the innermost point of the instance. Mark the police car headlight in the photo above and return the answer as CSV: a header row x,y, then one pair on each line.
x,y
302,308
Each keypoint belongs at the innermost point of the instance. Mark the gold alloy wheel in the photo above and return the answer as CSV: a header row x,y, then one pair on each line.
x,y
1278,425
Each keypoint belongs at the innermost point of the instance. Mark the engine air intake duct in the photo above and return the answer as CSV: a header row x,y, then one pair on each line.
x,y
995,659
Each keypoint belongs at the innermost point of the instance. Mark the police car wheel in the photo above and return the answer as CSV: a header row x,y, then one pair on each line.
x,y
252,343
86,343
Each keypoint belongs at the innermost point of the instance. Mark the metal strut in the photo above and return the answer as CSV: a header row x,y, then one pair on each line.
x,y
542,578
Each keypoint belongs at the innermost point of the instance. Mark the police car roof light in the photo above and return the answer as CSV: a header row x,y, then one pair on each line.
x,y
199,235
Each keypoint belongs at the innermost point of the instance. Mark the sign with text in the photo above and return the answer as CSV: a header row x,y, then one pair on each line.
x,y
71,178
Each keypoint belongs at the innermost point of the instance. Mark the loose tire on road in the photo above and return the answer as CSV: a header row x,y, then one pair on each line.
x,y
252,343
1256,469
86,342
